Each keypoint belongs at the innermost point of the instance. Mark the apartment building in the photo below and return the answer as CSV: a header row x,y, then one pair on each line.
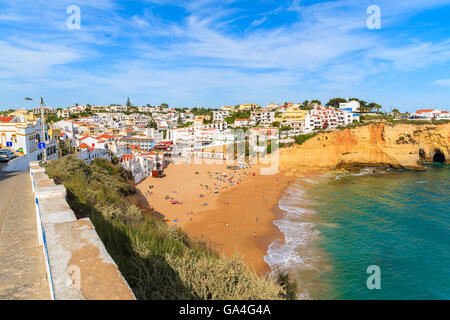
x,y
47,110
241,122
143,143
293,117
247,106
220,115
352,106
227,108
263,116
430,114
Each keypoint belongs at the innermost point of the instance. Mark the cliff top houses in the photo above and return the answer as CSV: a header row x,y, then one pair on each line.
x,y
104,131
430,114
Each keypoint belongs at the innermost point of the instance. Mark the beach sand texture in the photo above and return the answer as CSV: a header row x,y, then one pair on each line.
x,y
235,215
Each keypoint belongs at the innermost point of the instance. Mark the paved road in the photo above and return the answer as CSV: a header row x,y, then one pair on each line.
x,y
22,268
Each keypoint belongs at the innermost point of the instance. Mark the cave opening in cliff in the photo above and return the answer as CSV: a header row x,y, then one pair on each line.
x,y
422,155
438,156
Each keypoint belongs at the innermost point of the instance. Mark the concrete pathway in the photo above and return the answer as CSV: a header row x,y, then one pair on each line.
x,y
22,268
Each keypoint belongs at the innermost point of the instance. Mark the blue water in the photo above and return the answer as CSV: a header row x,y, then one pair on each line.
x,y
398,220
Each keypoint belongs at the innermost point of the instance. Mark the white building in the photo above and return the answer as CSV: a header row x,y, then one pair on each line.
x,y
430,114
263,116
352,106
143,165
47,110
23,138
241,122
328,118
220,115
90,154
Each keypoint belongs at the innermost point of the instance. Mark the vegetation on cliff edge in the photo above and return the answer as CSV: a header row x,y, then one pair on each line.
x,y
158,261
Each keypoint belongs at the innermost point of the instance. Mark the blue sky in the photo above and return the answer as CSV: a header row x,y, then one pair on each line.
x,y
214,53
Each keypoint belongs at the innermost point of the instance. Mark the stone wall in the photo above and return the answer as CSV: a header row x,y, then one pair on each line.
x,y
78,265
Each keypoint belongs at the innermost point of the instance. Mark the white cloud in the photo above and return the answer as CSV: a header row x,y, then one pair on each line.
x,y
33,59
442,82
201,58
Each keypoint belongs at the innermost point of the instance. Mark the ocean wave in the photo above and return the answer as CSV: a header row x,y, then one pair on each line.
x,y
298,234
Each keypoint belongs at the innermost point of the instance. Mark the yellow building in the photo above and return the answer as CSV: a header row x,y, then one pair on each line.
x,y
54,133
247,106
293,116
227,108
198,120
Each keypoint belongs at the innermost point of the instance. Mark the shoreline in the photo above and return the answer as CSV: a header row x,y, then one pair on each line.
x,y
249,235
239,215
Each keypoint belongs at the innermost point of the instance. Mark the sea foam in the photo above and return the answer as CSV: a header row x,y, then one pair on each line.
x,y
285,254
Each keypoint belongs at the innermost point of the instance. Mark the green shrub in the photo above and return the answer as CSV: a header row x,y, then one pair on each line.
x,y
303,138
290,287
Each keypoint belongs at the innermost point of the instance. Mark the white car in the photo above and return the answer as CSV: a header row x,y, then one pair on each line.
x,y
9,153
4,156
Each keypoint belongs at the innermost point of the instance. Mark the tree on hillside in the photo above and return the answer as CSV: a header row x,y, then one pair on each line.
x,y
317,101
335,102
128,102
152,124
237,115
371,106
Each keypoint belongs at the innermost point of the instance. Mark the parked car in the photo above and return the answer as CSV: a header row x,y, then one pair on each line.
x,y
11,154
4,156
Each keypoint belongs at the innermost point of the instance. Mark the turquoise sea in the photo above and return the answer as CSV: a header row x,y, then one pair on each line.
x,y
336,226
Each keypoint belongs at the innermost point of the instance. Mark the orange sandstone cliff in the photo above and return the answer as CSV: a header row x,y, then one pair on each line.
x,y
396,146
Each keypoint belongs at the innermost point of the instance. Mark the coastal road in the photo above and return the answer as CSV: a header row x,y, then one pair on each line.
x,y
22,268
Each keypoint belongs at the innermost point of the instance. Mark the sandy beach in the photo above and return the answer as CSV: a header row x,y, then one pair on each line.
x,y
234,209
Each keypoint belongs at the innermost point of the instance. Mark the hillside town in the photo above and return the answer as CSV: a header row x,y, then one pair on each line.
x,y
140,138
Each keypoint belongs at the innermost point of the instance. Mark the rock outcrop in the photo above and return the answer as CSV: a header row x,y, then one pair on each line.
x,y
385,145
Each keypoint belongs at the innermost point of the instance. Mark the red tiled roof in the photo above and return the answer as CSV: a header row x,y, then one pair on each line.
x,y
425,110
126,157
6,119
83,146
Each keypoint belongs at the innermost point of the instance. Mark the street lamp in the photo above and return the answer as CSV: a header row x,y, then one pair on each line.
x,y
44,145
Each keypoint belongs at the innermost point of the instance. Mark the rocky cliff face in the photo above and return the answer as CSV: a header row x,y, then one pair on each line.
x,y
396,146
